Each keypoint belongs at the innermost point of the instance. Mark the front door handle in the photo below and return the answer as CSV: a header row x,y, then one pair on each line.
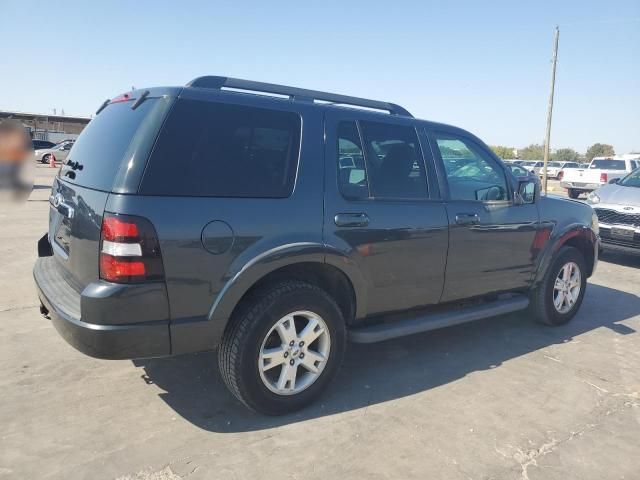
x,y
467,219
351,220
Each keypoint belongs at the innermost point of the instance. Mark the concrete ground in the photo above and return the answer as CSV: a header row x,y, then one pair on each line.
x,y
502,398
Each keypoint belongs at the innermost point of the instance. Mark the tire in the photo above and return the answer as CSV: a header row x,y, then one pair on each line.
x,y
542,304
46,159
573,193
560,175
247,336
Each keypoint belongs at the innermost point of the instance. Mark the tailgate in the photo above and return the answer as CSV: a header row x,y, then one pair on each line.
x,y
582,175
111,149
75,220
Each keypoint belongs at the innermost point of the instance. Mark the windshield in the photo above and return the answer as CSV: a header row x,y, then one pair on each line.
x,y
631,180
554,164
608,164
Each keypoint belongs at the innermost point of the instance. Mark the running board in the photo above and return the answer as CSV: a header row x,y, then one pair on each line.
x,y
432,321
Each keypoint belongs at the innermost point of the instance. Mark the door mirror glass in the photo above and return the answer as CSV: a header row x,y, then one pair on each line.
x,y
614,180
526,193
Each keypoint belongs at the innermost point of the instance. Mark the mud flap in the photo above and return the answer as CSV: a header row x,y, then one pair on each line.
x,y
44,246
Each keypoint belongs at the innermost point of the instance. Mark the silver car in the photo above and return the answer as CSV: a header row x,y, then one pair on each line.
x,y
58,151
617,205
532,166
556,169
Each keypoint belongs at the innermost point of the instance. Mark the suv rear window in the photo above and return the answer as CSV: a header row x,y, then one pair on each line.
x,y
96,156
223,150
608,164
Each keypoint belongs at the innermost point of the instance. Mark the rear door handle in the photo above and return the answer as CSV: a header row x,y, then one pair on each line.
x,y
467,219
351,219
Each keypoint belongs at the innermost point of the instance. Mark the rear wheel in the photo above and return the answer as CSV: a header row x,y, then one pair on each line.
x,y
560,294
283,348
573,193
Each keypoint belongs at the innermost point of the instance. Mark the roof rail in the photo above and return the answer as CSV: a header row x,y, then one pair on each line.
x,y
295,93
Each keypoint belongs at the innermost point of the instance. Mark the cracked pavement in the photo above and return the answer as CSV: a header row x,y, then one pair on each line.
x,y
501,398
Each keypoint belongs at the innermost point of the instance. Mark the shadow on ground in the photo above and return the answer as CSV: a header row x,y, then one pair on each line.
x,y
385,371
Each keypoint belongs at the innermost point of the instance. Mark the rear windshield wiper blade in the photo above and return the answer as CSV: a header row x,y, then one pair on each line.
x,y
102,107
140,99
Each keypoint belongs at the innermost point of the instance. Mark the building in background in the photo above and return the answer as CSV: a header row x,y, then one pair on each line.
x,y
53,128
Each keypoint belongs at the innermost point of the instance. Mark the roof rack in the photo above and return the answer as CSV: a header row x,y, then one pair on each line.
x,y
295,93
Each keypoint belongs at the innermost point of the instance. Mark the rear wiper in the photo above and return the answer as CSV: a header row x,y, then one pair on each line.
x,y
140,99
102,107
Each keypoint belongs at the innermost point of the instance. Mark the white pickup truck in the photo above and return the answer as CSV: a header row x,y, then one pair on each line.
x,y
600,171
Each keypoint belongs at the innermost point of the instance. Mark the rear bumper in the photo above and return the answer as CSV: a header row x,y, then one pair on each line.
x,y
620,248
121,341
626,244
580,186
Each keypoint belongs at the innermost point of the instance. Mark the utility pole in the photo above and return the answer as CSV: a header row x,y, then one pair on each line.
x,y
550,110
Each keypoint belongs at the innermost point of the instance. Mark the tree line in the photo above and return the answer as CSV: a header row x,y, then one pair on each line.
x,y
536,152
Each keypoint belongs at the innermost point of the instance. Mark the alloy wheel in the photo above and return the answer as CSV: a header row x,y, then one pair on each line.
x,y
294,353
566,288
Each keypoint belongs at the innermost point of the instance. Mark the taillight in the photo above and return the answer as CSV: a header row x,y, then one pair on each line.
x,y
129,250
603,178
125,97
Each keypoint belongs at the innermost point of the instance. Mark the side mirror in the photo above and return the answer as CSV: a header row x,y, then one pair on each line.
x,y
528,191
614,180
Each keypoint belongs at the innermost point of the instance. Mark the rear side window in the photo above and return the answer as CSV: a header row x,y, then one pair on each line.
x,y
96,156
221,150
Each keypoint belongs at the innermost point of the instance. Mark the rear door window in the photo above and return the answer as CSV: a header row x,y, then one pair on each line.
x,y
224,150
394,161
96,156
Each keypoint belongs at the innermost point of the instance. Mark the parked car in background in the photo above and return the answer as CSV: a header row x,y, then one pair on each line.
x,y
559,174
59,151
556,169
617,205
42,144
600,171
190,218
517,170
532,166
528,164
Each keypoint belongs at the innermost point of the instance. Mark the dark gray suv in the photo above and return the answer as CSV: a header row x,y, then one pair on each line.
x,y
276,227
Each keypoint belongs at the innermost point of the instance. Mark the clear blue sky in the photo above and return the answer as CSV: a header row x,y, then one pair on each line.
x,y
480,65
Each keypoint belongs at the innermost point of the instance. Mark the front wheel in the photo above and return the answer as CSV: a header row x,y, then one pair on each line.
x,y
46,159
559,296
283,348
